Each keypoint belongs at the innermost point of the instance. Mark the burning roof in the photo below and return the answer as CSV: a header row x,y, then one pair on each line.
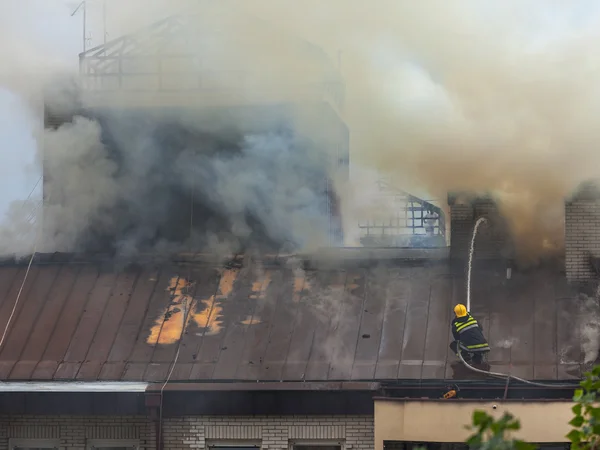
x,y
282,321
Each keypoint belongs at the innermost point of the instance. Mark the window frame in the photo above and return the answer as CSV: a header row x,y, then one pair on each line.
x,y
92,444
34,443
210,444
341,443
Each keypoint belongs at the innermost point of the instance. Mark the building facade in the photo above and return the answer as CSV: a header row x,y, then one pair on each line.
x,y
194,432
395,424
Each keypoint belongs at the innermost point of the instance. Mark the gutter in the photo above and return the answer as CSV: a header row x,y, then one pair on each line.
x,y
475,383
265,386
470,400
73,386
322,256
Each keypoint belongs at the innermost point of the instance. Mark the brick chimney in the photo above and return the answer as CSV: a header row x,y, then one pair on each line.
x,y
582,233
493,239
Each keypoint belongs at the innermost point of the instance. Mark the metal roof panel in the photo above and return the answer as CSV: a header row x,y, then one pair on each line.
x,y
281,323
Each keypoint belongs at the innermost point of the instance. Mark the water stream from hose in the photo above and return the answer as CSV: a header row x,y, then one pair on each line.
x,y
471,249
488,372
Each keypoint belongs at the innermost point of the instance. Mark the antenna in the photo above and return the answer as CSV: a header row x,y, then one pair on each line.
x,y
104,33
80,6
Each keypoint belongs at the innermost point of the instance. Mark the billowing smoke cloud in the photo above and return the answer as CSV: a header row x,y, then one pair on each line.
x,y
442,95
121,181
149,185
81,185
470,95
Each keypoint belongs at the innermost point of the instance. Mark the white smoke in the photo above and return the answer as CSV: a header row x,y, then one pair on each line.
x,y
507,343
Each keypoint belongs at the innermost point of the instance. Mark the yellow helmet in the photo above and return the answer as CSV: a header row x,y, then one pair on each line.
x,y
460,310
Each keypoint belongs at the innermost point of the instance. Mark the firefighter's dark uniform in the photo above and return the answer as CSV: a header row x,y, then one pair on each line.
x,y
470,334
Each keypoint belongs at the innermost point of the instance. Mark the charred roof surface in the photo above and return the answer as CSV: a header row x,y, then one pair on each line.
x,y
256,322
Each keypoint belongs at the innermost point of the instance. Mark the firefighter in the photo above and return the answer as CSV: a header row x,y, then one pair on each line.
x,y
468,333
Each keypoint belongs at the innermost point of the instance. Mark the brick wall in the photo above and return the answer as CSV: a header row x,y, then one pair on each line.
x,y
493,238
74,432
582,237
461,226
357,432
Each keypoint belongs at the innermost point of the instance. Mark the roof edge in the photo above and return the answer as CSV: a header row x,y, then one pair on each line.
x,y
473,400
73,386
247,386
320,256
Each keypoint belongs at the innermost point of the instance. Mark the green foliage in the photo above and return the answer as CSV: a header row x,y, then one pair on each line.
x,y
491,434
585,434
494,434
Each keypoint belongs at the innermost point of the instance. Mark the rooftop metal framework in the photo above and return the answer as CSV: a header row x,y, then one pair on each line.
x,y
412,222
167,57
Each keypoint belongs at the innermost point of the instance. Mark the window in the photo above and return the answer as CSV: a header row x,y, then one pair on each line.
x,y
112,444
233,445
401,445
33,444
316,445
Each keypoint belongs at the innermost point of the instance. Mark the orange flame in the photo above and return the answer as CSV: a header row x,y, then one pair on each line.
x,y
169,326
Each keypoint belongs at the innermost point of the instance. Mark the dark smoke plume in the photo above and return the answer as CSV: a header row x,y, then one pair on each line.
x,y
145,183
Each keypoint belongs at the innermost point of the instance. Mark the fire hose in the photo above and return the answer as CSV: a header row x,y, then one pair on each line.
x,y
507,376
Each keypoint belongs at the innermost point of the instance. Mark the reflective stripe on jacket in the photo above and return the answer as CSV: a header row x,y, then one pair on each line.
x,y
469,333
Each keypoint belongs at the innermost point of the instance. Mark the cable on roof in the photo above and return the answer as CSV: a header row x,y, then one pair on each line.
x,y
12,313
35,243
